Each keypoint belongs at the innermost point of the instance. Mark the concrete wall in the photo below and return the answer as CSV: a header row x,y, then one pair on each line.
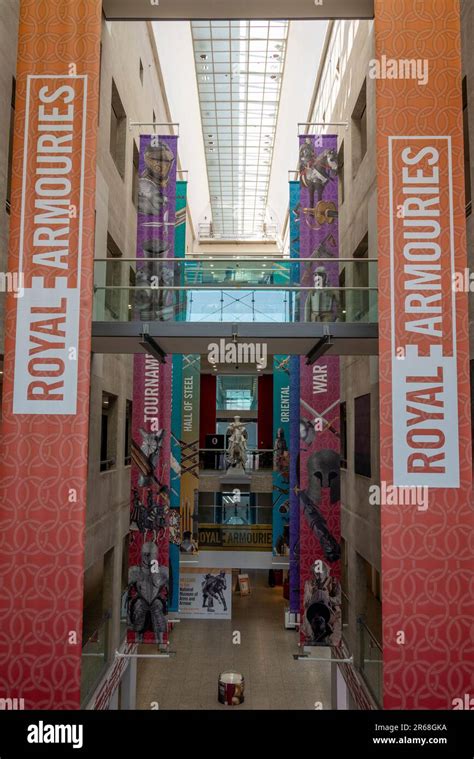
x,y
8,47
344,69
109,491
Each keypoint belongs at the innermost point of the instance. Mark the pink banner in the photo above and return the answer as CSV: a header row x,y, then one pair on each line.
x,y
151,441
319,490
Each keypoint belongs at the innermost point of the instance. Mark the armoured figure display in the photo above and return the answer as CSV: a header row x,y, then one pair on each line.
x,y
237,447
322,305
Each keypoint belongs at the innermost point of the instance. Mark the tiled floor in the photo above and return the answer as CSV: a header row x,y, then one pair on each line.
x,y
273,679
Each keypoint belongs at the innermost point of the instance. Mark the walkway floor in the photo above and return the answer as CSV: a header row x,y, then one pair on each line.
x,y
273,679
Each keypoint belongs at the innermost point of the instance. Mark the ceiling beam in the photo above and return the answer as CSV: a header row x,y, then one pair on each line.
x,y
175,10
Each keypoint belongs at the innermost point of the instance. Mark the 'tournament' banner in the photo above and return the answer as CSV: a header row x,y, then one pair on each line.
x,y
152,381
425,418
320,521
45,408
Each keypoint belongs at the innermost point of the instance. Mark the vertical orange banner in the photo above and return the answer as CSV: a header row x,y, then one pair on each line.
x,y
43,455
424,357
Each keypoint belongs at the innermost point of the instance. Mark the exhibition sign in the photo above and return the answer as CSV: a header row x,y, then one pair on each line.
x,y
46,380
219,537
319,489
425,418
205,593
148,593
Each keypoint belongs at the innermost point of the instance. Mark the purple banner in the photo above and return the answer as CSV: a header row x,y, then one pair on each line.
x,y
148,592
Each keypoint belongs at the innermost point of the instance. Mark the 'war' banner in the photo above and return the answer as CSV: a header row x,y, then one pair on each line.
x,y
152,381
319,490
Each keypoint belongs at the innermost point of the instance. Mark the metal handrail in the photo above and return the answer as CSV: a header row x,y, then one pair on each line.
x,y
361,623
236,286
106,617
240,260
224,450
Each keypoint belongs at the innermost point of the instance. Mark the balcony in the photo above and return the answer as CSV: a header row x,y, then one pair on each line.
x,y
236,299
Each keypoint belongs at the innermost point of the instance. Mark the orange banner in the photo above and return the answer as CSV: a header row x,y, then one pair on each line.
x,y
424,356
44,436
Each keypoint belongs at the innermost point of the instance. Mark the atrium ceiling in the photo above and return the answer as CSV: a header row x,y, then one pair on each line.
x,y
239,69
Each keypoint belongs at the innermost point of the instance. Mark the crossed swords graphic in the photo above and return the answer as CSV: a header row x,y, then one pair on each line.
x,y
328,425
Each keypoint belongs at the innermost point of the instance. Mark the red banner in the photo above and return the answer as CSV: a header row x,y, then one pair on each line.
x,y
425,428
44,434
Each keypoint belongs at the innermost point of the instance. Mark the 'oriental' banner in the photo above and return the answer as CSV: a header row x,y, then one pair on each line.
x,y
425,419
294,409
319,490
151,424
45,424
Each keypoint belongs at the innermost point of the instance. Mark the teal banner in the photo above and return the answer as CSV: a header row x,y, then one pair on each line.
x,y
177,408
281,455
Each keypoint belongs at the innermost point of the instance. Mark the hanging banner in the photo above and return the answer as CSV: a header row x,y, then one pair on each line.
x,y
294,409
45,406
148,592
190,395
425,419
177,407
281,455
319,493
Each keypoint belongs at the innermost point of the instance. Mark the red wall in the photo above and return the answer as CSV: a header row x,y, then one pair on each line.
x,y
207,408
265,411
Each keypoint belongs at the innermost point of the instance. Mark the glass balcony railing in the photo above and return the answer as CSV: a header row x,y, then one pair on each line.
x,y
214,460
94,658
231,291
371,661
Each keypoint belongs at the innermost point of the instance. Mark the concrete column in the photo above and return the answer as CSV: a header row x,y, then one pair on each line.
x,y
128,687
